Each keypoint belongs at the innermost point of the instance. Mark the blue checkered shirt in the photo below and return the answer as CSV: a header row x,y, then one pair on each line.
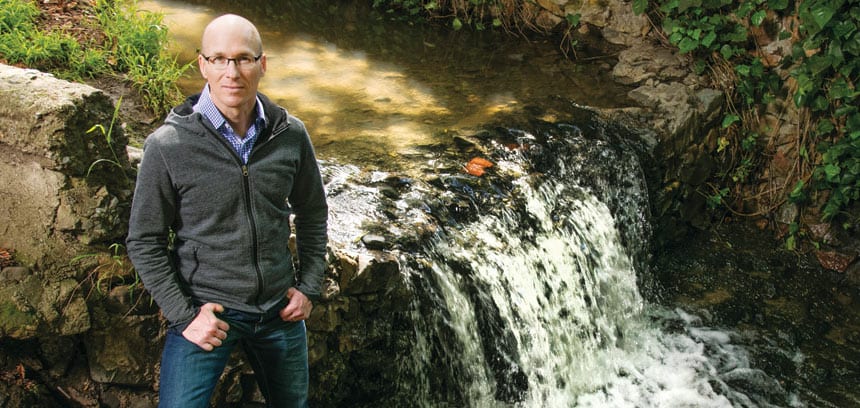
x,y
242,146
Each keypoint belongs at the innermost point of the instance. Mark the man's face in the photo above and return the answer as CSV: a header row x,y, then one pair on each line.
x,y
233,86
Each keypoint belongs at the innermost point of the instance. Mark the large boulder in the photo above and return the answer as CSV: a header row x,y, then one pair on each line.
x,y
63,193
62,184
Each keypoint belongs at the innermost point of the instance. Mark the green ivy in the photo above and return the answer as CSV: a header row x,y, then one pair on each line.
x,y
825,68
827,84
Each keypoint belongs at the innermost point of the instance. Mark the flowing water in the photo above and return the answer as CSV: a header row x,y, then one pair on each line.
x,y
535,299
537,302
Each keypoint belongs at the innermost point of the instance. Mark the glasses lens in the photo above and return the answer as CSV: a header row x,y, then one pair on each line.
x,y
244,61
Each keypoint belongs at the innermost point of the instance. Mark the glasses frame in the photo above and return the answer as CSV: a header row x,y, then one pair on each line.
x,y
209,60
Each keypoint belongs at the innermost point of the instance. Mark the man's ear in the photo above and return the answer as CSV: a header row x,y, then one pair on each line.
x,y
201,65
263,64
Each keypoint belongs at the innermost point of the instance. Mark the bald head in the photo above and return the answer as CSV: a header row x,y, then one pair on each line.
x,y
231,26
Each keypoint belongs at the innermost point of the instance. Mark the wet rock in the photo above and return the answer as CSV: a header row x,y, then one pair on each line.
x,y
389,192
754,382
58,354
375,274
135,155
638,64
375,242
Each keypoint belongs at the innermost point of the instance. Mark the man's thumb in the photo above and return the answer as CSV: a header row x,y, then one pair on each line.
x,y
214,307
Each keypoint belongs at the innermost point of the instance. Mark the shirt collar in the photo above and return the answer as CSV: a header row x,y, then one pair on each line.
x,y
208,109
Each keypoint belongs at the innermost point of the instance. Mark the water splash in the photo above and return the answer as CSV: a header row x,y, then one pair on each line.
x,y
537,304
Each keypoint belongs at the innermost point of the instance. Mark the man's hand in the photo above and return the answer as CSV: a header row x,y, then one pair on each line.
x,y
299,307
206,330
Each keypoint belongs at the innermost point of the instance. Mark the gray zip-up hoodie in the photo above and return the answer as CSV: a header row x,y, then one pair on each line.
x,y
231,221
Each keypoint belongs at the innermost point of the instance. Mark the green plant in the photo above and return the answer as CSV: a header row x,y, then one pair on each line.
x,y
108,270
108,135
824,70
15,14
568,42
827,76
22,42
716,199
136,43
134,47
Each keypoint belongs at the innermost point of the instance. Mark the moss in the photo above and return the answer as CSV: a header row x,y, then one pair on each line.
x,y
15,322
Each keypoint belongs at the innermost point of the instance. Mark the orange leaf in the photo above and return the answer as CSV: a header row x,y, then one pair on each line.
x,y
481,162
474,169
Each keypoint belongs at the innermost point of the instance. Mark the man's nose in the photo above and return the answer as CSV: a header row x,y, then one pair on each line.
x,y
232,70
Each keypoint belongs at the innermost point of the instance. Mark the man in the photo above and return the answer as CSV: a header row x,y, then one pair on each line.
x,y
224,174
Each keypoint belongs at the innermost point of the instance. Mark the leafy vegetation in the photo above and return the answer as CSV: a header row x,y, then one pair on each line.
x,y
819,76
131,44
22,42
108,135
136,42
109,270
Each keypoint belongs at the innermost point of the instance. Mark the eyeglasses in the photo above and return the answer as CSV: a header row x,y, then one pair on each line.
x,y
242,61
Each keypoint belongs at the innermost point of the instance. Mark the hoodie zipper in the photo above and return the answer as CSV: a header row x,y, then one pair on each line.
x,y
246,185
246,188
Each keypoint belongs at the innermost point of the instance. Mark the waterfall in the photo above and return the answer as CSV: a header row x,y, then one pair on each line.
x,y
535,302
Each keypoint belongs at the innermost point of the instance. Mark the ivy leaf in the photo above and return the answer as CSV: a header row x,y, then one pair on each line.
x,y
822,13
797,195
709,39
777,4
687,45
820,104
727,51
457,24
853,126
729,119
839,89
639,6
832,171
758,17
790,243
684,5
844,28
824,127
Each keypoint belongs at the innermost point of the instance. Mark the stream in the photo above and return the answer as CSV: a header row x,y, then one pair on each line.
x,y
535,289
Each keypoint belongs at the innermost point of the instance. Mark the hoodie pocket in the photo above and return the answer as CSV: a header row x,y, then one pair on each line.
x,y
187,261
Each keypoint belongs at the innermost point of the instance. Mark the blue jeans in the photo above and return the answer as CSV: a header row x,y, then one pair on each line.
x,y
277,351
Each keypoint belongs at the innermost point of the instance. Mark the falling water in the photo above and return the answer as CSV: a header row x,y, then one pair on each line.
x,y
536,302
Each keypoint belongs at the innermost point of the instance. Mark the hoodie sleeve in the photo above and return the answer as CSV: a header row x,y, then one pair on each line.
x,y
311,220
152,213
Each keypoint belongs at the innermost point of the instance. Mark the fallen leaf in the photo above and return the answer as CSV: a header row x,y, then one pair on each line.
x,y
477,165
481,162
474,169
834,260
